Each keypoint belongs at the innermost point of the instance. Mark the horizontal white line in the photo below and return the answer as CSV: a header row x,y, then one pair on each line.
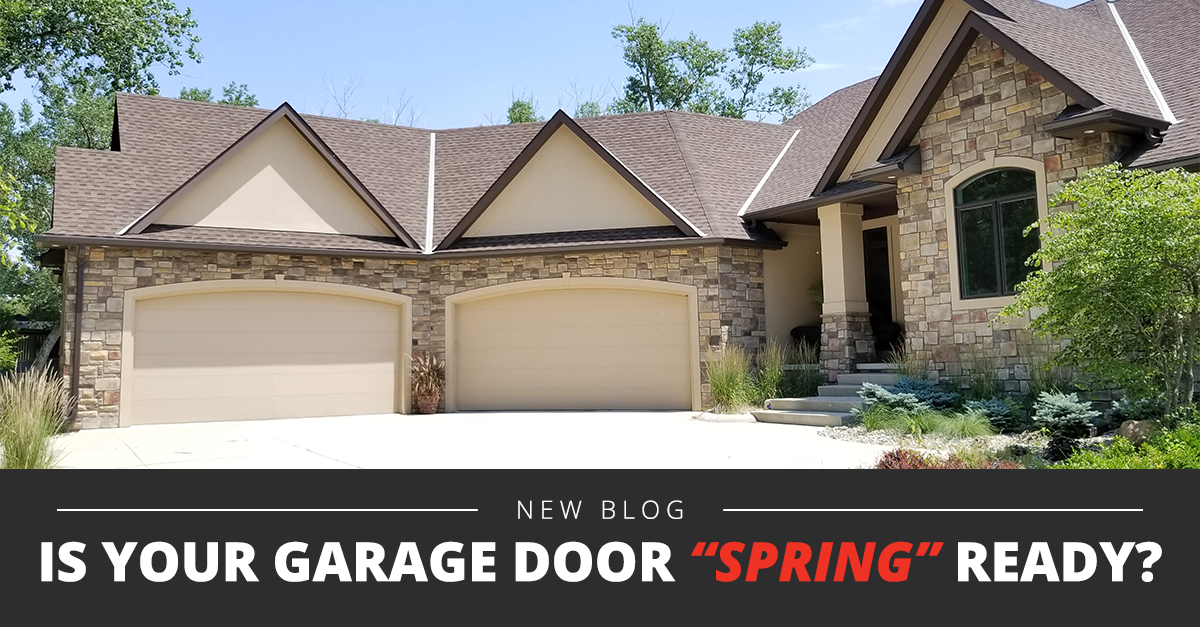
x,y
256,509
934,510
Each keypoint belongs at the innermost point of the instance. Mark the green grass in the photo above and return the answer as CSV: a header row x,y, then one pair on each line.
x,y
925,422
911,363
730,379
33,406
771,378
968,425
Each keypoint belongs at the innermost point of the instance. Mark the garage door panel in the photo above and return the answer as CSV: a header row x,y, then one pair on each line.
x,y
577,398
249,364
181,384
246,355
262,408
570,317
632,336
348,344
555,357
575,348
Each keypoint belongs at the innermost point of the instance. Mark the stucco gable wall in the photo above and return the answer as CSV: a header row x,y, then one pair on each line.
x,y
277,181
992,111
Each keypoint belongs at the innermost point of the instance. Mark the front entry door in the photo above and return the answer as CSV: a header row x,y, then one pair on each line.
x,y
877,266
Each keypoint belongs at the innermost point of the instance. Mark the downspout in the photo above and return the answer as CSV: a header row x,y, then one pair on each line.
x,y
81,252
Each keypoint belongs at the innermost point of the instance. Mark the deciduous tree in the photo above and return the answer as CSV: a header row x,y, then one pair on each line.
x,y
120,39
1124,283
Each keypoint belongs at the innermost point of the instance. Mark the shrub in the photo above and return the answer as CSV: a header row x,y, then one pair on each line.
x,y
730,379
804,381
972,424
981,379
1174,449
926,392
911,363
1132,409
769,381
428,375
1063,414
878,417
958,461
903,459
907,459
33,407
1003,414
874,394
923,422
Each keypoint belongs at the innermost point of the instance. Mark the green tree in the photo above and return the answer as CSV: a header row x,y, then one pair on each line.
x,y
523,110
1124,283
238,95
232,94
120,39
757,51
668,74
195,93
691,75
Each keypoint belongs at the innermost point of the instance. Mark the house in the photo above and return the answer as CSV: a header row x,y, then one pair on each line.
x,y
227,263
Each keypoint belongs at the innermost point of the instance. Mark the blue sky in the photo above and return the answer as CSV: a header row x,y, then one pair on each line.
x,y
461,62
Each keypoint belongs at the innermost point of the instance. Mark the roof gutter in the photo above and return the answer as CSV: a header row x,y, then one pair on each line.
x,y
1109,119
70,240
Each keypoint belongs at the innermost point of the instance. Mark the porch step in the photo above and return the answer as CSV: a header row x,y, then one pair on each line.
x,y
838,390
859,378
878,367
811,418
840,404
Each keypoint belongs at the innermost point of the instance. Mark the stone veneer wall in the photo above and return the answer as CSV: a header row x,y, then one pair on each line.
x,y
729,282
997,104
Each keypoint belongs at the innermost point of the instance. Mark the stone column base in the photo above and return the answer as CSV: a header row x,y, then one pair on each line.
x,y
846,340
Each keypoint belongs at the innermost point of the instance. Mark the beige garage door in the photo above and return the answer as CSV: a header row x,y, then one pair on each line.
x,y
570,348
252,355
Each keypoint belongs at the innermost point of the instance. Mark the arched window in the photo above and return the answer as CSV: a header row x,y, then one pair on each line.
x,y
991,212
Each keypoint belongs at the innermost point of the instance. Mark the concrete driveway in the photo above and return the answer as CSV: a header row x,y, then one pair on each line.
x,y
469,440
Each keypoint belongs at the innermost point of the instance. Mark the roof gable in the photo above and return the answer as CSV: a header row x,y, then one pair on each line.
x,y
279,176
564,180
1061,46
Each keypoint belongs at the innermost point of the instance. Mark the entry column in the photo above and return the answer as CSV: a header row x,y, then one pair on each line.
x,y
846,336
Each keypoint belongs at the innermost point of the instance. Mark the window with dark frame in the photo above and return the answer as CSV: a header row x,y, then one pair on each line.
x,y
992,211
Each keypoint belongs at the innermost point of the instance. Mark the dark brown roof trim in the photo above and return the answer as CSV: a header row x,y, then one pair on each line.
x,y
887,80
857,190
284,111
48,241
558,120
907,161
1107,117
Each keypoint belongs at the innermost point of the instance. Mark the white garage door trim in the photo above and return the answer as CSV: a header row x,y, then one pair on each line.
x,y
141,294
569,282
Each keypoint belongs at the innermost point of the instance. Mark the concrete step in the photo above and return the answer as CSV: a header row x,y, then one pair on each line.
x,y
859,378
878,367
812,418
838,390
815,403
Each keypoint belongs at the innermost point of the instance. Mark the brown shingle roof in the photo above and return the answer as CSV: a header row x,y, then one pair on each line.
x,y
1167,34
822,127
703,166
1085,46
